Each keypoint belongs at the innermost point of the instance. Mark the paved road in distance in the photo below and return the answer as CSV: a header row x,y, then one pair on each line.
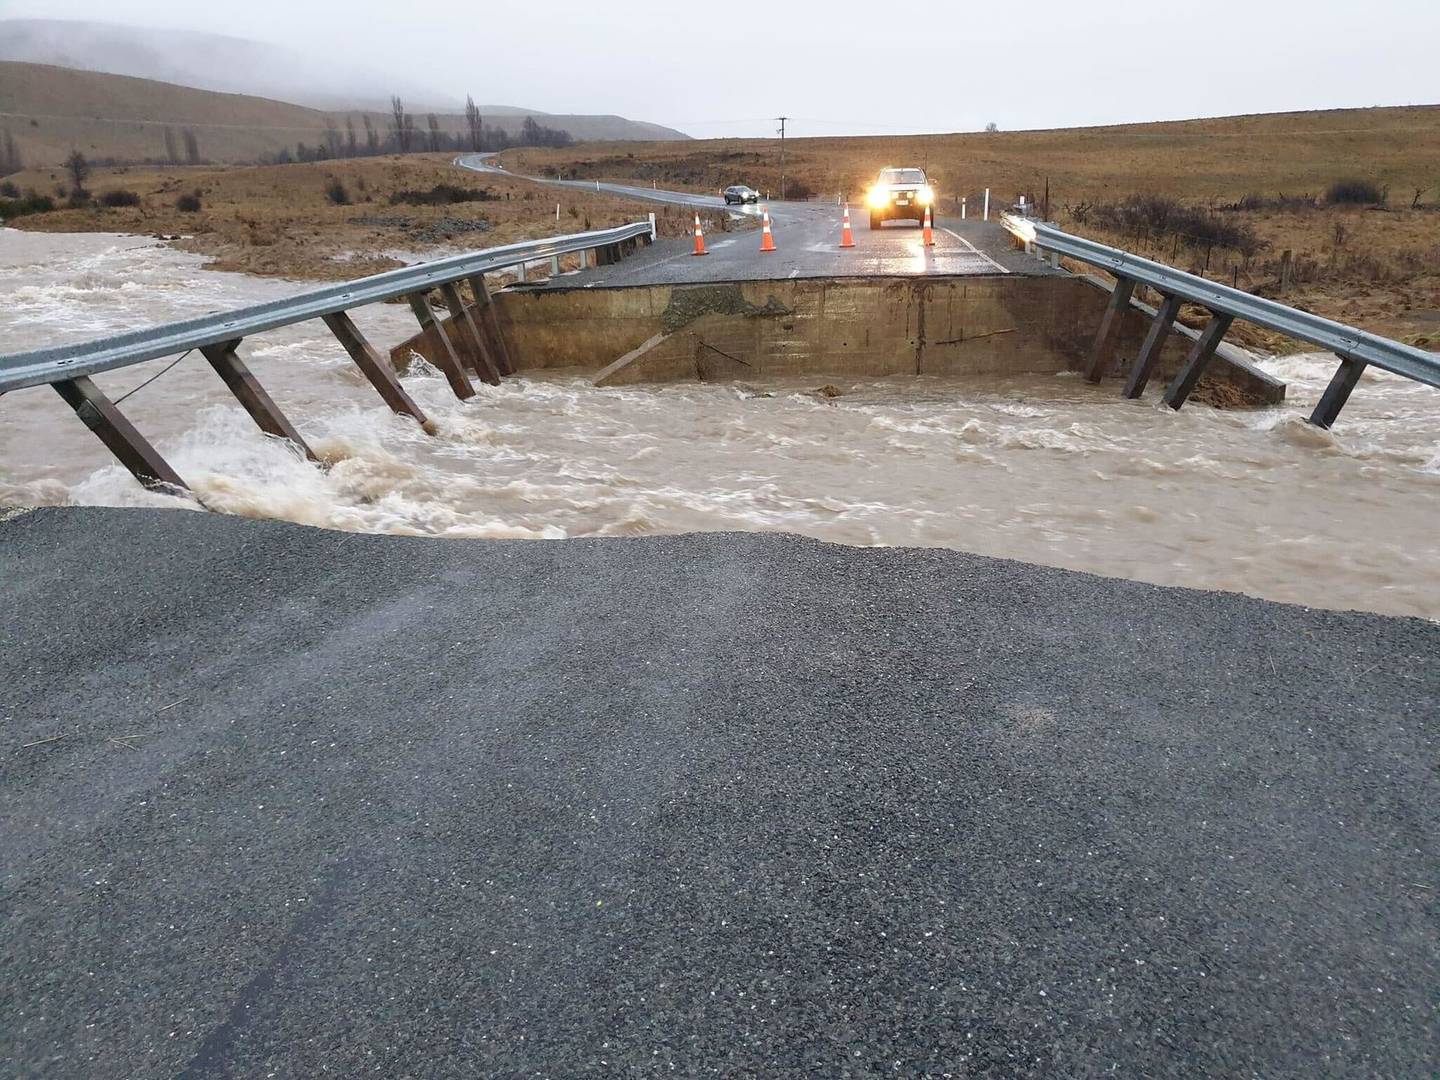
x,y
807,236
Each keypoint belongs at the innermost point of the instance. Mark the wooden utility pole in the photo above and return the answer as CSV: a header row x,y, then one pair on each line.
x,y
782,120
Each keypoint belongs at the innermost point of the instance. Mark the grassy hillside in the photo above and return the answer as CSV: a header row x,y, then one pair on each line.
x,y
50,111
1192,159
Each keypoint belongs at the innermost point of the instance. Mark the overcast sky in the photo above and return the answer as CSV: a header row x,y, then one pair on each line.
x,y
846,67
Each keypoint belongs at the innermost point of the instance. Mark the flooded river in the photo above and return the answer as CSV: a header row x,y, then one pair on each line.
x,y
1043,469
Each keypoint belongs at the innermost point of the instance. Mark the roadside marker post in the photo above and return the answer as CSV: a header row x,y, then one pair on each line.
x,y
962,209
987,204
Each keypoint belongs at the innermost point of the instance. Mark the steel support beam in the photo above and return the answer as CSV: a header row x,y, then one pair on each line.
x,y
1338,392
1103,351
130,448
490,323
252,396
462,319
441,347
376,369
1154,345
1179,390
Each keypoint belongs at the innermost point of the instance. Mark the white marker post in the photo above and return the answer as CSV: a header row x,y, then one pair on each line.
x,y
962,209
652,226
987,204
557,211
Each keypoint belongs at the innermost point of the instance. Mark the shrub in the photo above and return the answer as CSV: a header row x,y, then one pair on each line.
x,y
798,189
1355,193
1157,217
9,190
78,200
189,204
442,195
119,198
336,192
29,203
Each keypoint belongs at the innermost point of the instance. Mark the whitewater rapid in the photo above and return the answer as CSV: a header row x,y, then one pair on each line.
x,y
1043,469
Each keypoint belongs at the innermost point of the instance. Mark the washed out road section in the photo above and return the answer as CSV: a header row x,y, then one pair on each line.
x,y
288,801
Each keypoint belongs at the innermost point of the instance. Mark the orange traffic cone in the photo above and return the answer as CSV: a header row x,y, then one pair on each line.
x,y
699,239
929,230
767,239
847,238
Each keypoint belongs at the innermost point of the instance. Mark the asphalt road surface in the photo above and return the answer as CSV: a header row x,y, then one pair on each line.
x,y
807,238
285,802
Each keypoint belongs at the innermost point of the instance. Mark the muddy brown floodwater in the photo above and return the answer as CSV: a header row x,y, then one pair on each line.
x,y
1043,469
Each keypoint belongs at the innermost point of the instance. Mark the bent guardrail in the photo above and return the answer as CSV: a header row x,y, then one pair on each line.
x,y
1356,348
472,343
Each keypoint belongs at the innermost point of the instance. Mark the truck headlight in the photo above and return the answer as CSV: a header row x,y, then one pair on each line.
x,y
927,195
879,198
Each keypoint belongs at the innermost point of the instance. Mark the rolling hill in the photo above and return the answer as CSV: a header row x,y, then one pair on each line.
x,y
51,110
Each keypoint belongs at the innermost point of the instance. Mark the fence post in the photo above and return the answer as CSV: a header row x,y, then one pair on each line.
x,y
1178,392
374,368
1338,392
1104,347
131,449
252,396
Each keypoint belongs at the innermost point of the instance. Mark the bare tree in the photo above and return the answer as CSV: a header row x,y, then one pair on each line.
x,y
192,146
432,122
474,122
372,137
79,170
402,126
352,148
992,127
9,155
332,139
172,151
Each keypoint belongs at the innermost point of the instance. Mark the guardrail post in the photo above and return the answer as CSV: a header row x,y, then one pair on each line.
x,y
251,395
490,322
554,265
442,349
1180,389
1104,348
130,448
374,368
1154,344
475,344
1338,392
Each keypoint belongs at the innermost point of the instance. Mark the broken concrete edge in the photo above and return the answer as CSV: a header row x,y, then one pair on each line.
x,y
789,327
1227,351
8,513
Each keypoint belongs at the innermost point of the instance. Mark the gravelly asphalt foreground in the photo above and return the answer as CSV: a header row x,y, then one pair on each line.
x,y
714,804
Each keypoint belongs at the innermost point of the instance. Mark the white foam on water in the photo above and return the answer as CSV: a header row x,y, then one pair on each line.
x,y
1042,468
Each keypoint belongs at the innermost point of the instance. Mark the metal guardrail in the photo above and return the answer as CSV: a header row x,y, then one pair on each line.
x,y
471,341
49,365
1347,342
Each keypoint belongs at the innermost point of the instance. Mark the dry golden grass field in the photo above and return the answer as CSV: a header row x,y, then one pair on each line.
x,y
278,220
1378,267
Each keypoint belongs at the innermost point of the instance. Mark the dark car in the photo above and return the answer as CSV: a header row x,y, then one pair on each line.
x,y
739,193
899,193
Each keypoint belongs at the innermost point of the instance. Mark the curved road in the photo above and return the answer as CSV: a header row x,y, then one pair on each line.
x,y
807,235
